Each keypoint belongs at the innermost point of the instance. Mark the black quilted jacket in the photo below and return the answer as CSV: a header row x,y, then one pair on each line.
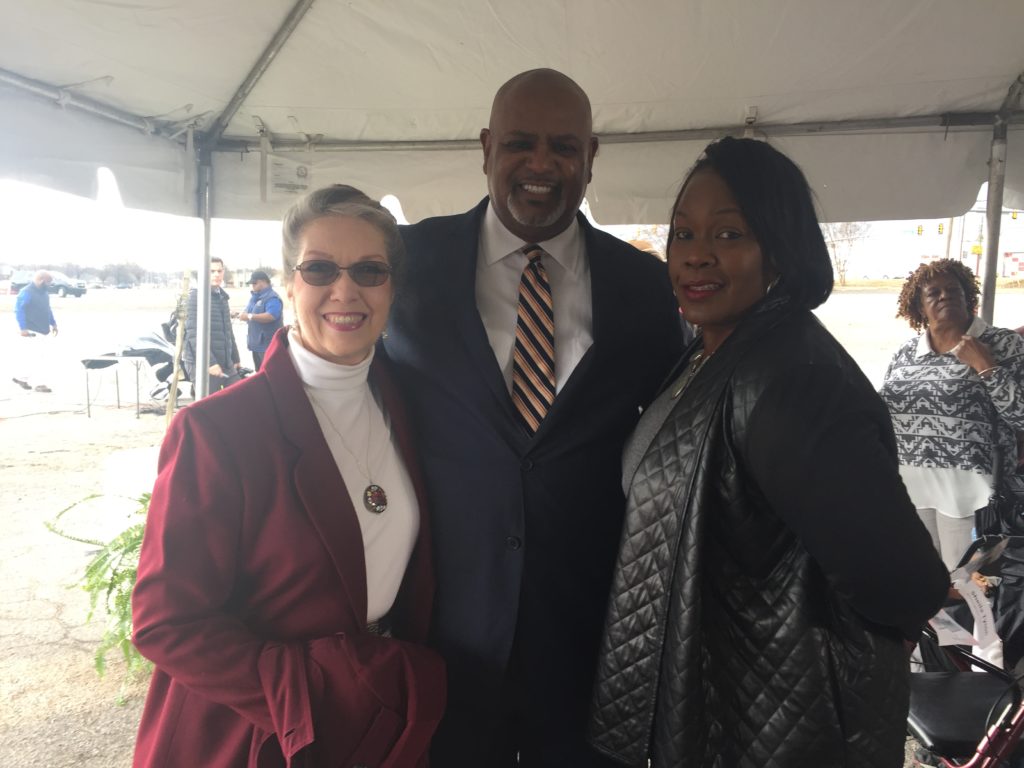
x,y
770,566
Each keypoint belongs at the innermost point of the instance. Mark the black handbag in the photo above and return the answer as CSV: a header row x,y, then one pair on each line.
x,y
1004,513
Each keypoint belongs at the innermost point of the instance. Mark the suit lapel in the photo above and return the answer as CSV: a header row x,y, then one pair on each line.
x,y
605,299
318,482
466,316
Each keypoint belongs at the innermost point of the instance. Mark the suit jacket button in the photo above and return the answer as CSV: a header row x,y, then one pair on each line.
x,y
513,542
526,465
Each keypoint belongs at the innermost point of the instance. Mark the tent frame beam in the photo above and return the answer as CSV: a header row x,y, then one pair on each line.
x,y
947,122
216,130
64,97
944,123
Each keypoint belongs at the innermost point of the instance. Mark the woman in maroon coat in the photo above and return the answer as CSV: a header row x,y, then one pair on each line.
x,y
285,581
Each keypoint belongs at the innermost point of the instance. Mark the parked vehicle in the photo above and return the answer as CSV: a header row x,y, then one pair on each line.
x,y
65,286
62,285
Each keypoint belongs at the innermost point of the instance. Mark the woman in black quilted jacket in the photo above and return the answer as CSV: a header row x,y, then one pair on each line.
x,y
772,564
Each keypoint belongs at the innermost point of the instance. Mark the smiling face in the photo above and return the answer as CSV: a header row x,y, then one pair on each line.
x,y
342,321
944,304
538,153
715,263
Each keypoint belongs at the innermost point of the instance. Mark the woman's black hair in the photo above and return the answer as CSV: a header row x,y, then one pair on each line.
x,y
776,200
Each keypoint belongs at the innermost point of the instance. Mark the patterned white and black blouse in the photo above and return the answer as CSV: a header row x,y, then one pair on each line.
x,y
944,415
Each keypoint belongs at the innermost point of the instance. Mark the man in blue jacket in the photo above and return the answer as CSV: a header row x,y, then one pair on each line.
x,y
263,314
34,315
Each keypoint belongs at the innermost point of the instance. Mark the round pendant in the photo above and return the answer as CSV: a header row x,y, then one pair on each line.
x,y
374,499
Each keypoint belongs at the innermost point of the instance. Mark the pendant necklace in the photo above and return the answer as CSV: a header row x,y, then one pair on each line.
x,y
374,498
696,363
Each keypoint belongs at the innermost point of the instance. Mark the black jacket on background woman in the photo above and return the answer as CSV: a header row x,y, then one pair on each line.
x,y
771,567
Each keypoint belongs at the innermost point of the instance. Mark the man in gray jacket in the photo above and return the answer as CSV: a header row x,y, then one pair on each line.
x,y
224,359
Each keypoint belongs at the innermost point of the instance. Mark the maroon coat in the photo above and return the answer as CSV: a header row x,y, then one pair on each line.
x,y
251,594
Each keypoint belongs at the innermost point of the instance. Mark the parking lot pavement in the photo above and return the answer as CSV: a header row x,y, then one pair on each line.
x,y
56,711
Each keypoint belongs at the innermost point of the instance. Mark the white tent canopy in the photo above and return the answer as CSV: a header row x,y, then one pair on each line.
x,y
887,106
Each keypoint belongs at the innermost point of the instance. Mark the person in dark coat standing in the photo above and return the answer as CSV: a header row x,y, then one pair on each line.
x,y
263,316
521,445
224,359
35,318
772,565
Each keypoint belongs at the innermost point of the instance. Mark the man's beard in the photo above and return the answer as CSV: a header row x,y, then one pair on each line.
x,y
530,218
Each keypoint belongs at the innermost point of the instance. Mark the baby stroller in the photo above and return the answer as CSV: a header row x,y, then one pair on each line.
x,y
972,713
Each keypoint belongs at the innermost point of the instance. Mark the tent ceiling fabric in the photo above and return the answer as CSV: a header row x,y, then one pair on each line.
x,y
44,145
422,70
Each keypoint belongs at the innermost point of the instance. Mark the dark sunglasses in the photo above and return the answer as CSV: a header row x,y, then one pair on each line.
x,y
322,272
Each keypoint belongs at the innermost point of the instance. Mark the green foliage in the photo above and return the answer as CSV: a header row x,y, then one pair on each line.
x,y
109,579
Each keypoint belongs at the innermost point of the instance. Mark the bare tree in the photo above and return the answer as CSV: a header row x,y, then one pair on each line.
x,y
840,237
123,273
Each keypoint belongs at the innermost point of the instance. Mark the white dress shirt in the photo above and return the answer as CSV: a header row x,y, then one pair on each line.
x,y
499,269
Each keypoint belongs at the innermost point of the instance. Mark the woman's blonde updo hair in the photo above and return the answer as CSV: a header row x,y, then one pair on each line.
x,y
339,200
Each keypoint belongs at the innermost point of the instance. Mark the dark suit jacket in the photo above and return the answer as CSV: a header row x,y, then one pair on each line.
x,y
251,594
526,530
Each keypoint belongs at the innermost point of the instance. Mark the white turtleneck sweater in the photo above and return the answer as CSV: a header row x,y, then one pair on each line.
x,y
358,433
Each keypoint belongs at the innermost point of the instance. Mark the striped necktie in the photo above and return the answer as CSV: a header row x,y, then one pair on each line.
x,y
533,358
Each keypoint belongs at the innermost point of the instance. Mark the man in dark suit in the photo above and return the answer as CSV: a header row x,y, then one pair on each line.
x,y
527,507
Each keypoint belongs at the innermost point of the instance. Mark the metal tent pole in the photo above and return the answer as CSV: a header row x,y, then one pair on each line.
x,y
202,372
205,192
994,204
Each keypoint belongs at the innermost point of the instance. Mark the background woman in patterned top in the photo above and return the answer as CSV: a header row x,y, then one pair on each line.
x,y
954,393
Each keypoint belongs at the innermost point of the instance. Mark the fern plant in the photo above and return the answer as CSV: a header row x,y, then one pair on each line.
x,y
109,579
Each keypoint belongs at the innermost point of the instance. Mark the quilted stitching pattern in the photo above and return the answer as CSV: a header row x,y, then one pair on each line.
x,y
717,666
636,624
